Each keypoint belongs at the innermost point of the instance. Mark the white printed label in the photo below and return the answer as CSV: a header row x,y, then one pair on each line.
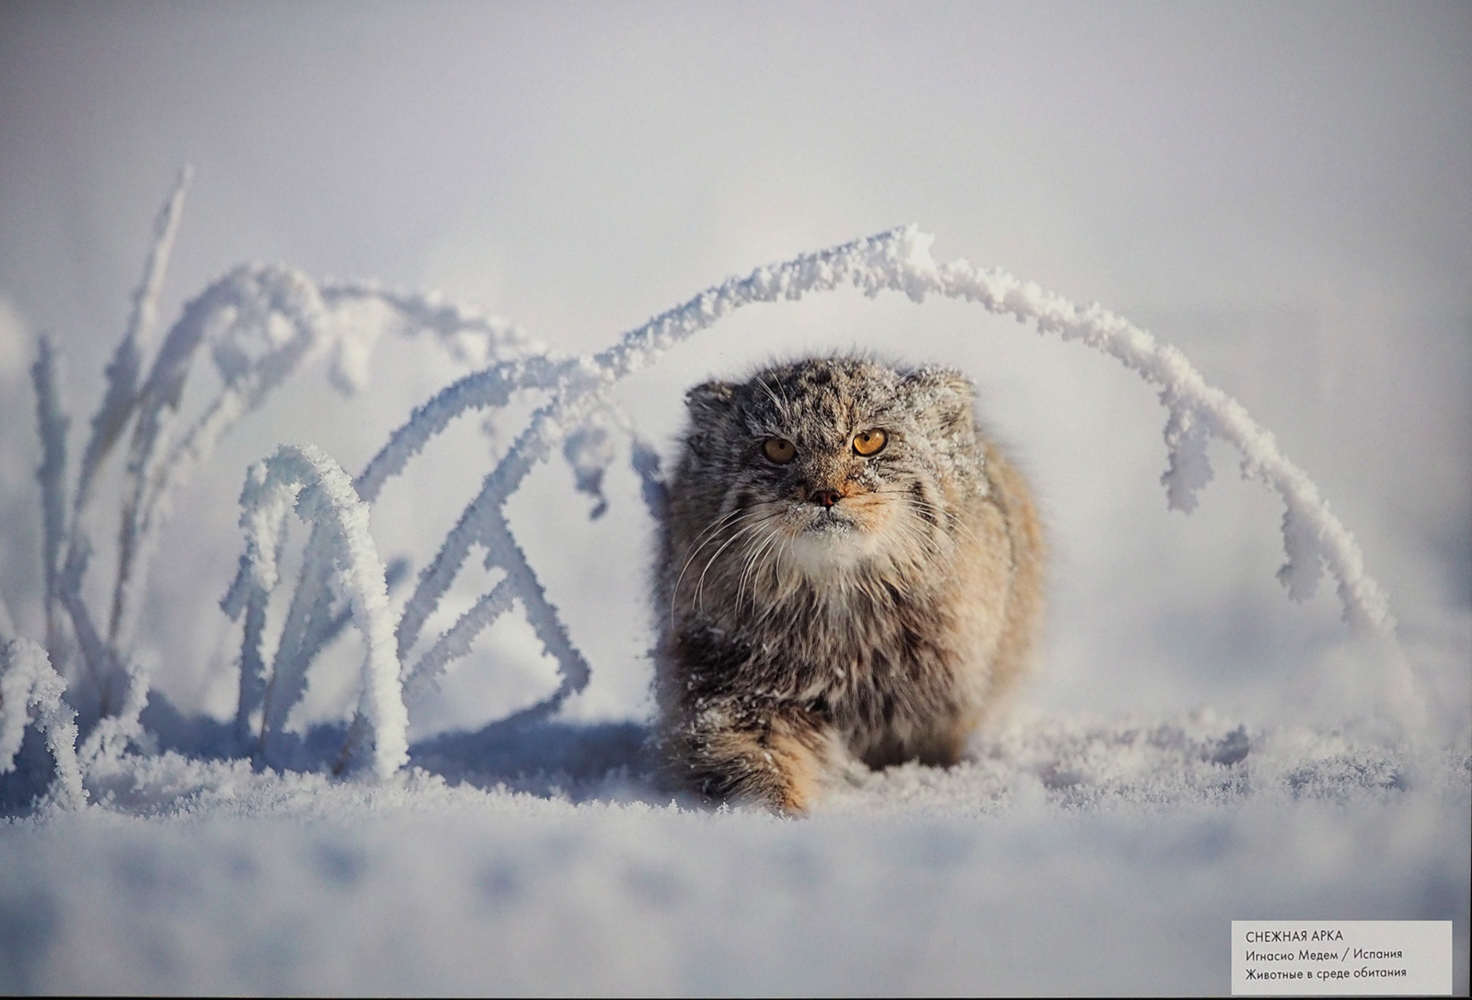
x,y
1354,957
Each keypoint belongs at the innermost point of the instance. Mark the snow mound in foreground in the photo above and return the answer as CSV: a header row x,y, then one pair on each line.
x,y
1070,855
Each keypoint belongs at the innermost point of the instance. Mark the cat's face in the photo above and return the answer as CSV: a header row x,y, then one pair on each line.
x,y
826,463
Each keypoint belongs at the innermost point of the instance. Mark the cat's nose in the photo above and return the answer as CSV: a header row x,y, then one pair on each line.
x,y
825,498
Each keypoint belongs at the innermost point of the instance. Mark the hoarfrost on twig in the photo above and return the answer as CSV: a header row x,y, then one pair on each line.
x,y
52,423
96,657
122,372
27,681
264,323
324,496
1189,469
309,623
456,640
113,733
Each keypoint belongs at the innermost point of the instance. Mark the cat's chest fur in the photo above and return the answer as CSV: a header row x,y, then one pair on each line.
x,y
860,653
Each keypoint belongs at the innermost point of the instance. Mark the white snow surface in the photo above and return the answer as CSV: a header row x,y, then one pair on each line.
x,y
1071,855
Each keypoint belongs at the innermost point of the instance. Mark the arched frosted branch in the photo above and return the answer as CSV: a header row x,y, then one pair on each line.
x,y
900,260
469,336
275,319
1313,534
480,390
324,496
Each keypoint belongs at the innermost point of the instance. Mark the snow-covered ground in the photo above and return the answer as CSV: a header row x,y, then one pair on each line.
x,y
1075,855
1280,192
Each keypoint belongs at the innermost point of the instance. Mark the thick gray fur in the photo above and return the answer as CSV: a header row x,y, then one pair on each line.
x,y
837,610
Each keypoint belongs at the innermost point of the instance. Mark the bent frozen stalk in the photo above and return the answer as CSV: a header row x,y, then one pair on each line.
x,y
324,496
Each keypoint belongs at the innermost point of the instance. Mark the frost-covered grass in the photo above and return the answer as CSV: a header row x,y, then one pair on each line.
x,y
149,850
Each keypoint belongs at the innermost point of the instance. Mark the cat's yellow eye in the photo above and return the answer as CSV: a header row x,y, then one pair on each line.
x,y
870,442
779,450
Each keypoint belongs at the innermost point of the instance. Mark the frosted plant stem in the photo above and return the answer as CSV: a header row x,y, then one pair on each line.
x,y
237,313
27,680
112,734
492,387
308,625
120,401
60,722
539,611
95,654
252,669
477,524
308,615
52,423
471,337
434,580
324,495
520,581
121,396
158,403
153,468
245,596
457,640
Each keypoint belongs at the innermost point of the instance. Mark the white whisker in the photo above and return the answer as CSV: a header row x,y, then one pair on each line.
x,y
709,535
743,530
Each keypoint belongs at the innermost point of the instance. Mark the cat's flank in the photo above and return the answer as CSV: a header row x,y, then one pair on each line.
x,y
849,572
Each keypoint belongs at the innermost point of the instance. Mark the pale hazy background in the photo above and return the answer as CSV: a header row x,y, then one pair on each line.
x,y
1283,191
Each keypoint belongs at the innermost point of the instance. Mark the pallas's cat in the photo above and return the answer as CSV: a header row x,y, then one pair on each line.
x,y
849,573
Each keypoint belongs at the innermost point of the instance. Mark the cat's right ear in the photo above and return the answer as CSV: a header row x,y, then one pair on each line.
x,y
710,399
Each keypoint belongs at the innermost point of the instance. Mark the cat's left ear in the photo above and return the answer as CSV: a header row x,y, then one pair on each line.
x,y
710,397
943,396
